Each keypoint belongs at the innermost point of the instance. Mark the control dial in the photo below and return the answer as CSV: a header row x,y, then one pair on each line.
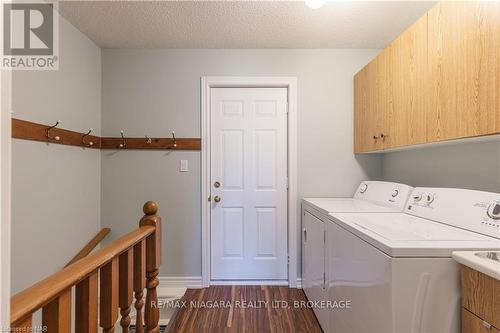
x,y
417,197
494,211
395,193
363,188
429,198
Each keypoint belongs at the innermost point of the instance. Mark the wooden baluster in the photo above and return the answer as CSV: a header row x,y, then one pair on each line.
x,y
56,315
23,325
86,305
139,283
153,261
108,309
126,287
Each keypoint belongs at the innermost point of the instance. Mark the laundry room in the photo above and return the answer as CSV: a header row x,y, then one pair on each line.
x,y
250,166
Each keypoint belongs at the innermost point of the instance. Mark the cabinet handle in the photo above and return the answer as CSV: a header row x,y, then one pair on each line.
x,y
486,325
305,235
383,136
375,137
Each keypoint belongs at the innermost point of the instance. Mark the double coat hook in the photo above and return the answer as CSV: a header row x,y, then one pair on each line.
x,y
47,132
87,144
123,144
175,141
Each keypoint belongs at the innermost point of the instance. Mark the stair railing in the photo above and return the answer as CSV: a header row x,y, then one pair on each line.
x,y
105,282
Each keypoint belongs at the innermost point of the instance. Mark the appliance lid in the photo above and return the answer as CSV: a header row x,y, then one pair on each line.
x,y
346,205
402,235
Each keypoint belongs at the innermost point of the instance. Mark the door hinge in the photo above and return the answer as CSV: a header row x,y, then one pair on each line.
x,y
286,105
288,259
287,183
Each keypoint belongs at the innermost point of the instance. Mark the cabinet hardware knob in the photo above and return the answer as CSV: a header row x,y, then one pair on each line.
x,y
486,325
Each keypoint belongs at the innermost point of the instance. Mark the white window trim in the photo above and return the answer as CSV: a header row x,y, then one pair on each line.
x,y
290,83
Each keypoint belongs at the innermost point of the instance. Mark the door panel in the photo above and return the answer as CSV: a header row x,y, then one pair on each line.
x,y
361,274
249,159
232,159
464,67
314,263
405,114
370,104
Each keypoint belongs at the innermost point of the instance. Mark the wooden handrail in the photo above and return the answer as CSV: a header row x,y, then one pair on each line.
x,y
89,246
36,296
139,254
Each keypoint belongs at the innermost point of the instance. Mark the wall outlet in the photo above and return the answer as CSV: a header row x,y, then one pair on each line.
x,y
183,166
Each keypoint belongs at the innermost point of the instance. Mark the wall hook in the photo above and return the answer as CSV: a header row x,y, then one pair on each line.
x,y
148,140
87,144
175,141
124,143
47,132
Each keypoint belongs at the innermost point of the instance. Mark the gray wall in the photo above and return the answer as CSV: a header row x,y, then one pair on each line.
x,y
473,166
156,91
55,188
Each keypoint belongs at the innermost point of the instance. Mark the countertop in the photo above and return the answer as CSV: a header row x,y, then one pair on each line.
x,y
484,265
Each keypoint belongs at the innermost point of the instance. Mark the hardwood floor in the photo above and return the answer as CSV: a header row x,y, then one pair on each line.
x,y
250,309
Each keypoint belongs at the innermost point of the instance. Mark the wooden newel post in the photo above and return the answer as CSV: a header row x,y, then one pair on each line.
x,y
153,261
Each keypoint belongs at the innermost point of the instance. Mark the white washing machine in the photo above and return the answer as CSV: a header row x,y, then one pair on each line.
x,y
396,270
371,196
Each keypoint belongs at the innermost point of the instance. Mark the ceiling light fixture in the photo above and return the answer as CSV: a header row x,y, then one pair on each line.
x,y
315,4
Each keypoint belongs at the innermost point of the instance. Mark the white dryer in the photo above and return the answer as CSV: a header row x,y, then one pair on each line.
x,y
371,196
396,270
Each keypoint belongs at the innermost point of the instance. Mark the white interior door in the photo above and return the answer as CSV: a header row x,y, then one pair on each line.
x,y
248,183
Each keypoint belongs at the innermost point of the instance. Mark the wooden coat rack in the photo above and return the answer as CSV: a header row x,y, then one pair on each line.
x,y
27,130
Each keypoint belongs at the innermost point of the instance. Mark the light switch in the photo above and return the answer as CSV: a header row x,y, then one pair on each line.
x,y
183,167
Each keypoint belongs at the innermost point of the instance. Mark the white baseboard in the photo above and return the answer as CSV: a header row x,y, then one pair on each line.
x,y
195,282
192,282
249,283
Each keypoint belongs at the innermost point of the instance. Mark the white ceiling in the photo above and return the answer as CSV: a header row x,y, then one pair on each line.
x,y
242,24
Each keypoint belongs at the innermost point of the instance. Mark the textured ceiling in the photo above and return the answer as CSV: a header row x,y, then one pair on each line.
x,y
242,24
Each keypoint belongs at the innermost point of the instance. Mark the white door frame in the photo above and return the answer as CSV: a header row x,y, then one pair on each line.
x,y
290,83
5,194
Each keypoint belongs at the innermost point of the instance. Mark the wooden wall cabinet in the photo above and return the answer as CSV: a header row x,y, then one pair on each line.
x,y
405,120
369,96
480,302
464,69
439,80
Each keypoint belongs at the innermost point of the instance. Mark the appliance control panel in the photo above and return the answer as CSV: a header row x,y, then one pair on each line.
x,y
421,199
387,194
467,209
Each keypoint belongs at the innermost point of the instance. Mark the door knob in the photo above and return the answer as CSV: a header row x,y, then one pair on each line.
x,y
217,198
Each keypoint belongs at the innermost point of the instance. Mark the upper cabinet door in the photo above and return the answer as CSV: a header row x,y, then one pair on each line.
x,y
405,114
369,97
464,70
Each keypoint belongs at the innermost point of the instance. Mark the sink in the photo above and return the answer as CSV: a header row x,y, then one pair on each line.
x,y
489,255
